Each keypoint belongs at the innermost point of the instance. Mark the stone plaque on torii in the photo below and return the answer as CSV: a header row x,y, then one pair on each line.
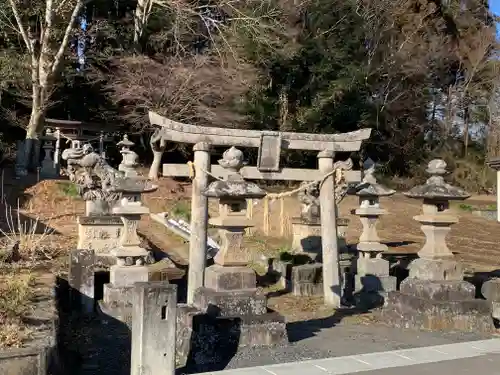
x,y
268,167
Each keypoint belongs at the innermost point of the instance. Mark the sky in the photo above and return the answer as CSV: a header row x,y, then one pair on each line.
x,y
495,8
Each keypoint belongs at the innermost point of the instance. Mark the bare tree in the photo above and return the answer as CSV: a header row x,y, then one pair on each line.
x,y
45,42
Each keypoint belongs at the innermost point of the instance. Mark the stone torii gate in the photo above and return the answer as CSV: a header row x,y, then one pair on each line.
x,y
268,167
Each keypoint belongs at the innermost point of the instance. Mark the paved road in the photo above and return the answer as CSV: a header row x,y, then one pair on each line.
x,y
452,359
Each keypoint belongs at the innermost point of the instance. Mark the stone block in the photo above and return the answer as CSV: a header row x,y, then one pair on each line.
x,y
154,328
436,269
126,276
408,311
82,280
491,290
306,238
204,340
117,295
372,266
100,233
308,273
221,278
307,289
230,303
438,290
372,283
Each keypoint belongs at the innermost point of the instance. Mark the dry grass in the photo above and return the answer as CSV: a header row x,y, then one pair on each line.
x,y
30,233
16,292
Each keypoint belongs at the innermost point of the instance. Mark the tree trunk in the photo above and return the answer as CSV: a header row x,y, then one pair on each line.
x,y
141,16
158,145
466,130
154,171
31,154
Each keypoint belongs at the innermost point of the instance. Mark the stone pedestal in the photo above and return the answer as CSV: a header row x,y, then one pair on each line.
x,y
101,234
372,281
307,280
436,227
306,238
369,239
434,297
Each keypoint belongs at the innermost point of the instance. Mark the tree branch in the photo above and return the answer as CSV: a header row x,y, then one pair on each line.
x,y
65,41
23,32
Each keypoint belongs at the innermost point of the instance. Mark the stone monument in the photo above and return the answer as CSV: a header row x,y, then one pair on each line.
x,y
98,230
434,296
230,294
49,169
372,281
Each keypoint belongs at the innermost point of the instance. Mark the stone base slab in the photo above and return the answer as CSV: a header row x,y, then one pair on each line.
x,y
408,311
127,276
436,269
374,284
438,290
221,278
230,303
215,338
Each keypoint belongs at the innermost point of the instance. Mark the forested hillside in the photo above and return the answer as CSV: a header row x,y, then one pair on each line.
x,y
423,74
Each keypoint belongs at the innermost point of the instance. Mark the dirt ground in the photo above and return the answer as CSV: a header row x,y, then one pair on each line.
x,y
474,239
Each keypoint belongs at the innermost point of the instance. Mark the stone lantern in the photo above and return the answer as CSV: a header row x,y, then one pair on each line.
x,y
372,280
435,296
129,161
131,257
232,220
369,192
436,218
230,285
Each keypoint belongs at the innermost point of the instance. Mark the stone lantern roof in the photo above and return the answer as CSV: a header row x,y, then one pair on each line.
x,y
235,186
435,188
369,187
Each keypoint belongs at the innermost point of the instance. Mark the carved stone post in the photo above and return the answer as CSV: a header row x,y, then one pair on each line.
x,y
332,289
199,220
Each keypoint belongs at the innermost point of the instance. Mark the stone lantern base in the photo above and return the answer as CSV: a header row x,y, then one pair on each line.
x,y
434,297
228,310
100,233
